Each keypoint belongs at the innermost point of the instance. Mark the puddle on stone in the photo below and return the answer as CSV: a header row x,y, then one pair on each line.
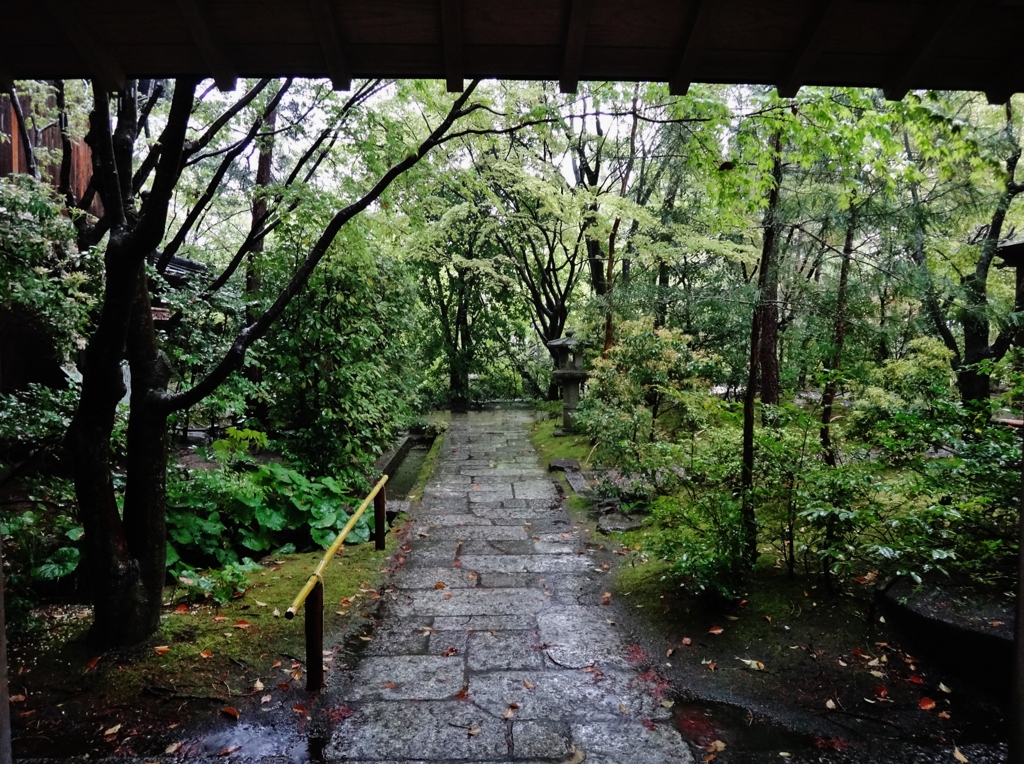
x,y
703,723
255,742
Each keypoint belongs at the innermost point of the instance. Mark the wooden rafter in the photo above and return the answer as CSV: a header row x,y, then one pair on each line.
x,y
330,44
938,23
695,31
575,40
451,32
210,48
812,40
73,22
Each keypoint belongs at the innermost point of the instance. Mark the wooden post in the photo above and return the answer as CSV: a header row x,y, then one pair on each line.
x,y
315,638
380,517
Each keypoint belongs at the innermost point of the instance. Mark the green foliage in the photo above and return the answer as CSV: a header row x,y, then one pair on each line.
x,y
41,272
247,504
640,398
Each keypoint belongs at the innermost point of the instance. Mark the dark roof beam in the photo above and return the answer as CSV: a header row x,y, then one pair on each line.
x,y
451,33
210,48
575,40
74,23
924,47
812,41
695,32
330,44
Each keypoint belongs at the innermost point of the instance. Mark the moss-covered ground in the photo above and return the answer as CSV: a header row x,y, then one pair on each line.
x,y
73,700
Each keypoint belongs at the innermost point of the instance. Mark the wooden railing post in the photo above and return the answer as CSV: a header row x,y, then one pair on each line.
x,y
315,638
380,518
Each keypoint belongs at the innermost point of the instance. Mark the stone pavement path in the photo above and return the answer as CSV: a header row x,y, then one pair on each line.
x,y
494,645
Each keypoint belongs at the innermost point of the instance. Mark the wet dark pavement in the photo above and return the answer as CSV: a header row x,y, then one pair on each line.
x,y
494,644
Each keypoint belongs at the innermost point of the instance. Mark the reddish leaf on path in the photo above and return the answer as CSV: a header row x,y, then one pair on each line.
x,y
162,649
230,711
649,724
449,652
440,585
715,630
389,685
300,709
181,609
926,704
916,680
283,686
462,694
206,654
229,751
275,664
242,624
92,663
219,618
687,641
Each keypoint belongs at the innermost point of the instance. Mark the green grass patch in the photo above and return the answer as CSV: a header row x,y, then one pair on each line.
x,y
416,492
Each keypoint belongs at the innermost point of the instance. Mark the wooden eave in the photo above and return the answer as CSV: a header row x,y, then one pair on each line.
x,y
892,44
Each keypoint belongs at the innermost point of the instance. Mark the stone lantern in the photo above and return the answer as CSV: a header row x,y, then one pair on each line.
x,y
569,374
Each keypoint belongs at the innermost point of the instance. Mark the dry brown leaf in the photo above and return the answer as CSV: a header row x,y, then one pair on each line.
x,y
440,585
715,630
206,654
528,684
112,731
257,685
447,596
162,650
509,713
172,748
228,751
230,711
389,685
300,709
716,746
473,731
449,652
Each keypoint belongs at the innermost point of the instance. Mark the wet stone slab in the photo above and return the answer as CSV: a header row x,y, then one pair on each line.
x,y
470,602
484,652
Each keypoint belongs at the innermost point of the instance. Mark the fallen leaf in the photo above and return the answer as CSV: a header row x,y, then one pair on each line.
x,y
959,756
275,664
830,704
528,684
715,630
242,624
389,685
112,731
230,711
219,618
769,619
916,680
687,641
440,585
668,653
943,714
667,703
785,754
926,704
944,688
266,699
731,618
447,596
877,674
716,746
995,623
183,608
283,686
473,731
17,699
162,650
300,709
449,652
277,613
93,662
172,748
229,751
206,654
257,685
508,714
624,710
752,664
462,694
578,756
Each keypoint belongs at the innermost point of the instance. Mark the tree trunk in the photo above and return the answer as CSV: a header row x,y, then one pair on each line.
x,y
839,337
747,512
768,286
6,756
